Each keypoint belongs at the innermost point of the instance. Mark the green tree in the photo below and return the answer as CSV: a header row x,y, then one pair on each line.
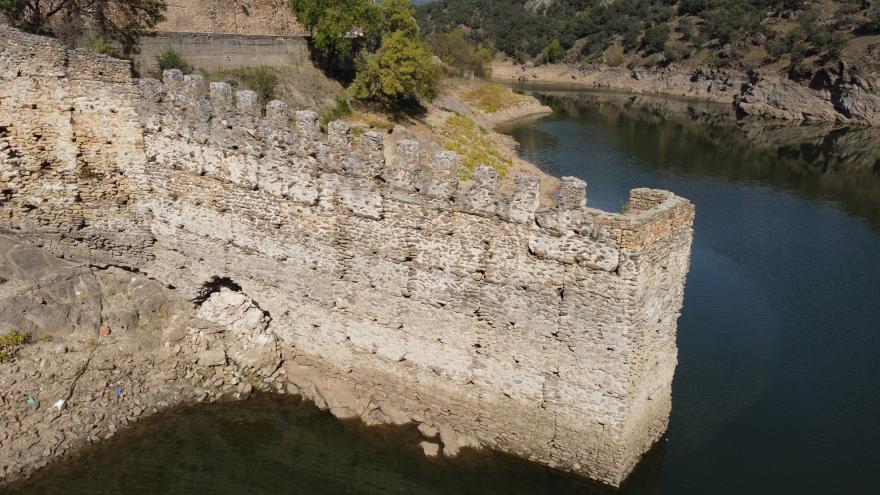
x,y
398,15
397,75
552,52
117,21
336,23
464,56
656,38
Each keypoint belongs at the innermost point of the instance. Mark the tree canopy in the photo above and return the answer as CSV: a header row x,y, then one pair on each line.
x,y
585,29
334,24
393,63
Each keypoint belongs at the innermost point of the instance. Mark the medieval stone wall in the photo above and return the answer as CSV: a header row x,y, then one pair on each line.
x,y
549,334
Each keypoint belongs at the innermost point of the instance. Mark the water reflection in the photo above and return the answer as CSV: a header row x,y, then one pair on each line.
x,y
277,444
824,161
779,353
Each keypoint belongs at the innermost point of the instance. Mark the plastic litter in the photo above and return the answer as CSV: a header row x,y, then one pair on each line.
x,y
59,404
118,391
31,401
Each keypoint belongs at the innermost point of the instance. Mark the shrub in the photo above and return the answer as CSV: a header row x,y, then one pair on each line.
x,y
170,58
777,48
614,57
836,45
340,109
99,44
656,38
874,17
687,28
798,54
8,343
263,80
674,51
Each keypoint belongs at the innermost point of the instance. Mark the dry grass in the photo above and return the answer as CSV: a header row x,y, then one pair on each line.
x,y
473,144
491,98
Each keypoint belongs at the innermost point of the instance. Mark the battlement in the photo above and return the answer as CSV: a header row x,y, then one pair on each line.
x,y
546,332
266,143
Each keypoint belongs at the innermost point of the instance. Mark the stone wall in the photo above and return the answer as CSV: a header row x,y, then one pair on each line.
x,y
395,292
224,51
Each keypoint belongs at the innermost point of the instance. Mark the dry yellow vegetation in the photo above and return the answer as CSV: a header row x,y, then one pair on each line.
x,y
473,144
491,98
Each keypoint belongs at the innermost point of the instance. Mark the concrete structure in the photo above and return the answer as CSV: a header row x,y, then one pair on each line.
x,y
397,293
224,51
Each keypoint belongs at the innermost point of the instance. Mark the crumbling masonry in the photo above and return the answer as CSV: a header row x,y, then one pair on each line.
x,y
548,334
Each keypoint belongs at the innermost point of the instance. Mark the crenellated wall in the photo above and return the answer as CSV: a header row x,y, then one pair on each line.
x,y
549,334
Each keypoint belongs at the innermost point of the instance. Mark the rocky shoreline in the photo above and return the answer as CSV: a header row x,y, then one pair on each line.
x,y
844,94
110,347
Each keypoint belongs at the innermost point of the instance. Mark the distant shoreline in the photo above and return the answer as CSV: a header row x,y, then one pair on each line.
x,y
847,95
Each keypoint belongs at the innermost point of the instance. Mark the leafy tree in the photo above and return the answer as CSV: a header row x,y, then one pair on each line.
x,y
656,38
398,15
464,56
336,23
114,21
553,52
397,75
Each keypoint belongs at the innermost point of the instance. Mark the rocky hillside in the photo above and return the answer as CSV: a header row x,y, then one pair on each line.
x,y
808,60
270,17
738,34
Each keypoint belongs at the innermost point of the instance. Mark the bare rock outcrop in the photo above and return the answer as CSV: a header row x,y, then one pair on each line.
x,y
841,95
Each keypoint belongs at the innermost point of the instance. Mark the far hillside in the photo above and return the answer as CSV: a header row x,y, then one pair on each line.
x,y
739,34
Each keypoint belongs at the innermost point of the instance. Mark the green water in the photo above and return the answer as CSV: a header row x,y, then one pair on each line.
x,y
778,385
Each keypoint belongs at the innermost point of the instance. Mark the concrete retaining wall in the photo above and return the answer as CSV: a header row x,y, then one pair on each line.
x,y
224,51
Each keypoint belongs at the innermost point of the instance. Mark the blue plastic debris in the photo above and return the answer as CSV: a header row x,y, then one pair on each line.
x,y
31,401
118,391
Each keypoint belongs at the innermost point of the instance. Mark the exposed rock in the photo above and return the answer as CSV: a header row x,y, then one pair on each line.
x,y
430,449
428,431
212,358
454,441
842,96
253,347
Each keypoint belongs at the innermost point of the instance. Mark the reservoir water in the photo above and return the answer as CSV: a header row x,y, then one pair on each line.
x,y
778,385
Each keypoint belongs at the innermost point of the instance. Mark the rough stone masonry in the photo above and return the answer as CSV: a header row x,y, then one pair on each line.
x,y
396,292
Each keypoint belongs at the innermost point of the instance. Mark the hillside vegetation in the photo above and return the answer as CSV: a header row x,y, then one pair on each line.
x,y
723,33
